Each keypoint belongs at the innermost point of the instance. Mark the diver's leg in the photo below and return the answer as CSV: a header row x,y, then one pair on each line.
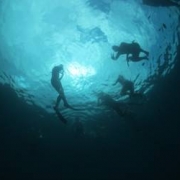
x,y
123,91
137,59
61,93
65,101
55,84
63,97
66,104
145,52
57,101
143,58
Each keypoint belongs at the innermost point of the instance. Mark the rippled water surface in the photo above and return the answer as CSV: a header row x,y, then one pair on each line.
x,y
36,35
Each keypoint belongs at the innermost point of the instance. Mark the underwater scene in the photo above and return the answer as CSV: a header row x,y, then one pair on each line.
x,y
89,89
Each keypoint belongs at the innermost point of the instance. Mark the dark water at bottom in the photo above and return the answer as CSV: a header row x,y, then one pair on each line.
x,y
126,153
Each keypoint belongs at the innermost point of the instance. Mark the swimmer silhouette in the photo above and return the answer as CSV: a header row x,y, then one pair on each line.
x,y
127,87
57,75
132,49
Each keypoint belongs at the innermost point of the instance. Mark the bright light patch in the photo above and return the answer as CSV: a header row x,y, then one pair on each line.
x,y
79,34
77,70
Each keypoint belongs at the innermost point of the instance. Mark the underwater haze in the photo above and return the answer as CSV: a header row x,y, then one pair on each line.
x,y
37,35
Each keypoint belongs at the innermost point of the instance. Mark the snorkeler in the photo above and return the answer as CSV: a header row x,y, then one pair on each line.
x,y
127,87
129,48
56,83
107,100
163,3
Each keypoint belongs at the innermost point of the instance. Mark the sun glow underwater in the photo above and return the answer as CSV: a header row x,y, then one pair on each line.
x,y
37,35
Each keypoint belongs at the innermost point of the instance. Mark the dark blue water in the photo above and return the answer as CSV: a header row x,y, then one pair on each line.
x,y
149,149
35,145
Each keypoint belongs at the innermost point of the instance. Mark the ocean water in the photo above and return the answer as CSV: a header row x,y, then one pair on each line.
x,y
36,35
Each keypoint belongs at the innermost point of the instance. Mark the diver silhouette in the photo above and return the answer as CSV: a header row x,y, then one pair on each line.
x,y
127,87
57,75
164,3
107,100
132,49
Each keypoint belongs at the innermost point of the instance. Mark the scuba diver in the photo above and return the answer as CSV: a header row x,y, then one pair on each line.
x,y
127,87
129,48
56,83
107,100
164,3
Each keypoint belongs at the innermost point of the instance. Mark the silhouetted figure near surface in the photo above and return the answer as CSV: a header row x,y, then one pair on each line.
x,y
132,51
127,87
160,3
57,75
107,100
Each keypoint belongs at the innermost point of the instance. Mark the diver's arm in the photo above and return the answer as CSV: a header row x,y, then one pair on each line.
x,y
117,55
61,75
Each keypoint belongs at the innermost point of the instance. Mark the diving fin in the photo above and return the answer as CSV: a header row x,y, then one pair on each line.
x,y
60,116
